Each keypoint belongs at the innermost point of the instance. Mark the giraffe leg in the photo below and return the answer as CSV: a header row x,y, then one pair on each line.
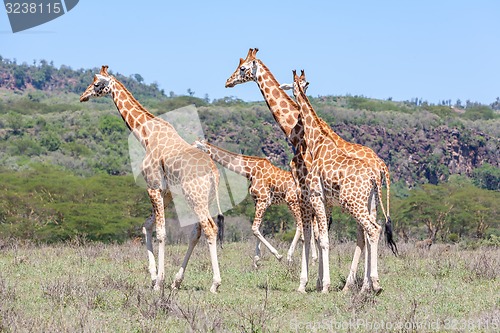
x,y
371,280
360,244
314,237
210,231
256,258
295,240
260,208
156,198
374,279
193,240
295,209
366,279
304,270
323,282
147,230
373,276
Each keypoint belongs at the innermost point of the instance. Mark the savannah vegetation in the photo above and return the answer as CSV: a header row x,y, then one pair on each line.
x,y
81,286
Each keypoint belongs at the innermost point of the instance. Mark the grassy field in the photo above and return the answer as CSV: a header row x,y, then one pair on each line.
x,y
93,287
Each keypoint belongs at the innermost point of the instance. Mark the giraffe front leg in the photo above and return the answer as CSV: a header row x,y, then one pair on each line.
x,y
147,230
304,269
323,282
260,208
156,198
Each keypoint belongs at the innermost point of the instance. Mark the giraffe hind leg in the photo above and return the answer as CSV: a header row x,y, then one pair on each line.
x,y
193,240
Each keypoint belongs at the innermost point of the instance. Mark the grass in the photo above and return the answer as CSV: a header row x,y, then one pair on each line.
x,y
93,287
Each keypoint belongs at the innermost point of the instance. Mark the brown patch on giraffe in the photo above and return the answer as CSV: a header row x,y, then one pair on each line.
x,y
127,104
276,93
290,120
283,104
272,103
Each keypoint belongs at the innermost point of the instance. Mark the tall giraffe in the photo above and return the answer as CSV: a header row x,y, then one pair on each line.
x,y
337,177
269,185
169,163
369,156
286,112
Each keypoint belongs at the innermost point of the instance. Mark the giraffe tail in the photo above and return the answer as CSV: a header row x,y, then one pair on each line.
x,y
388,223
388,236
220,229
220,219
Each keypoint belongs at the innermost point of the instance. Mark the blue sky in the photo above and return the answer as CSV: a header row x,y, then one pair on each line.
x,y
431,49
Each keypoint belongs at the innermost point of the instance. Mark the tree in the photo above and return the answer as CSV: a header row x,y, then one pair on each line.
x,y
487,176
138,78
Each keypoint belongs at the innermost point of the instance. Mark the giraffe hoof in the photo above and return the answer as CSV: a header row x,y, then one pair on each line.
x,y
176,284
377,289
256,260
301,290
214,288
279,257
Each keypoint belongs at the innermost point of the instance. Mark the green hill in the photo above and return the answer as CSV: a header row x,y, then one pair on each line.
x,y
42,123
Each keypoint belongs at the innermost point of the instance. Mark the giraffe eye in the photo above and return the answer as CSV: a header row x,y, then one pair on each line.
x,y
242,68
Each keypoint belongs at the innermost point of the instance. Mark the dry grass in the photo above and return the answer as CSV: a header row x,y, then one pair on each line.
x,y
86,287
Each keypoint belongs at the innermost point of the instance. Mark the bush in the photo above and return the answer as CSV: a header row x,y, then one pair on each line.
x,y
50,141
453,238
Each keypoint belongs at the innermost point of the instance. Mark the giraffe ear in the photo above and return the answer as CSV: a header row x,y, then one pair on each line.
x,y
286,86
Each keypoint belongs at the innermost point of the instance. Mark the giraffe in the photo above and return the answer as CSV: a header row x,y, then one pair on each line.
x,y
369,156
286,112
337,177
170,163
269,185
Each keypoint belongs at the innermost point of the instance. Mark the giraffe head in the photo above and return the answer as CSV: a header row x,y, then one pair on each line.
x,y
300,83
99,87
246,71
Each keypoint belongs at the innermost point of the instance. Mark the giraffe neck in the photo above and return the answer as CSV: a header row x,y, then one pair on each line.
x,y
284,109
132,112
313,125
241,164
